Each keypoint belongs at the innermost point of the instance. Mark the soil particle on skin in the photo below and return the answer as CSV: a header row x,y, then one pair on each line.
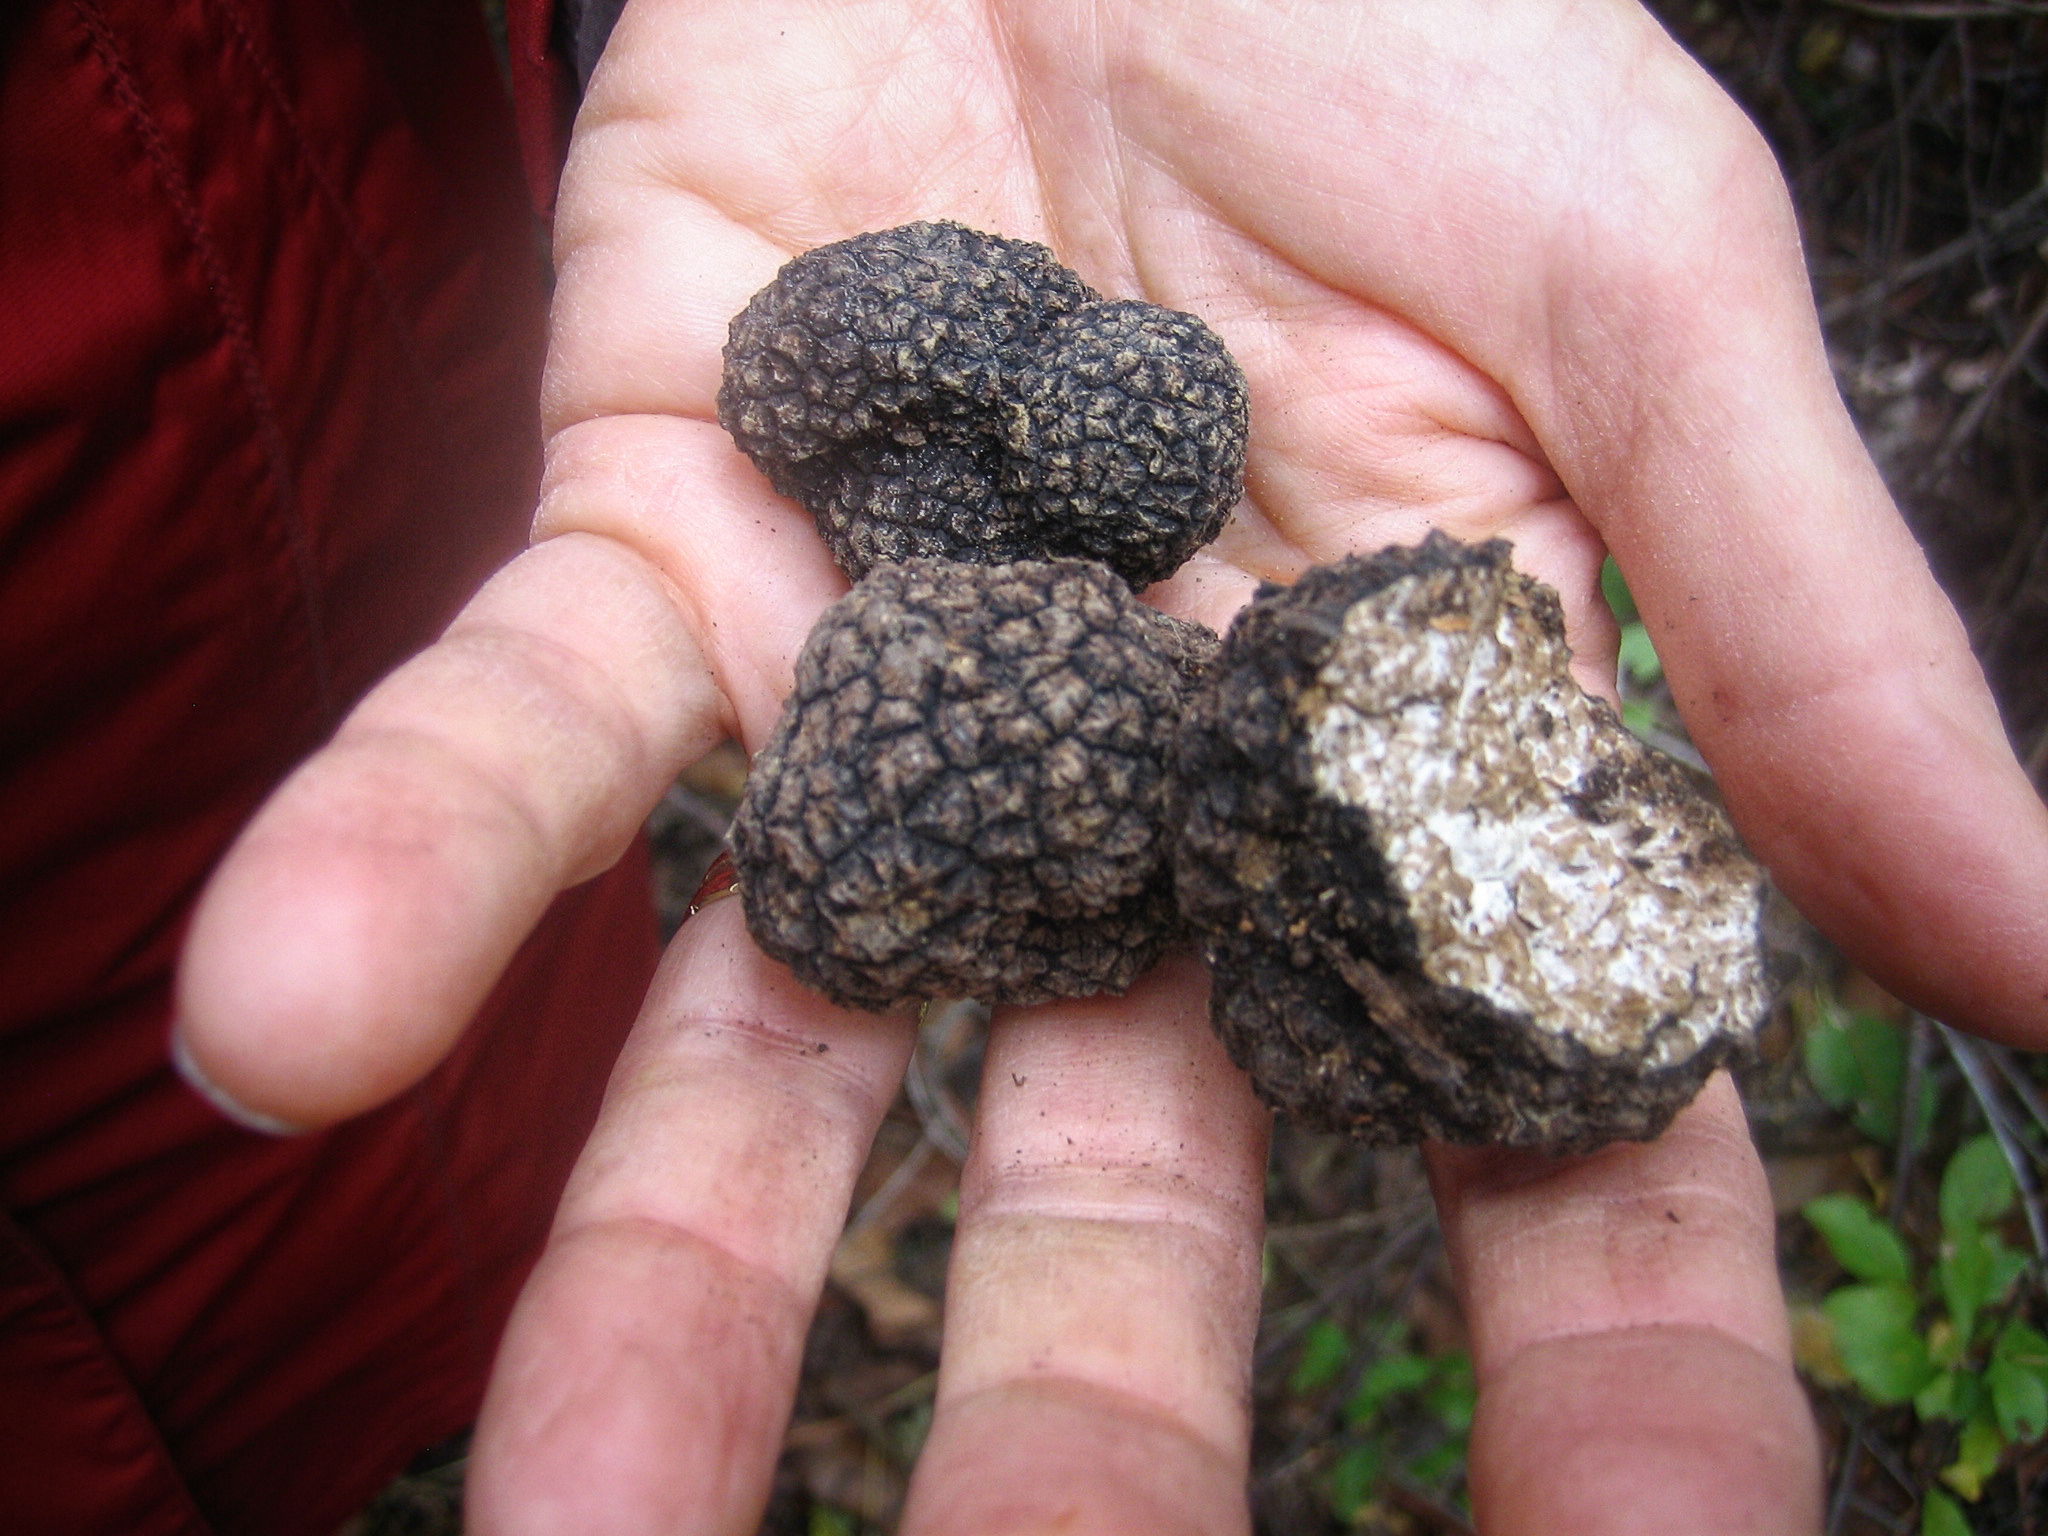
x,y
932,391
967,794
1445,894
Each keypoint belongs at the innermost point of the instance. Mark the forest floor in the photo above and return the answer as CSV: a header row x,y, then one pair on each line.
x,y
1914,134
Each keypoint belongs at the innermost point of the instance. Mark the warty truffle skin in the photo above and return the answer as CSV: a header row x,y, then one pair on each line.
x,y
931,391
967,793
1444,893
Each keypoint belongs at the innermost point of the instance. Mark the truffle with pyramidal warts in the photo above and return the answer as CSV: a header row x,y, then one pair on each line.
x,y
967,794
934,392
1444,893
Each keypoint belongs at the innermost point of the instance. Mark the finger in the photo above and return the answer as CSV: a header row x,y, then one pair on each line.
x,y
746,568
359,920
646,1378
1630,1340
362,916
1104,1288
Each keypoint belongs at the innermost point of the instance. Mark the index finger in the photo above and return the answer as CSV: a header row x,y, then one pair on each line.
x,y
358,921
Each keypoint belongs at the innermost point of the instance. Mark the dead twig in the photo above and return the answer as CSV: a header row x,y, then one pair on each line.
x,y
1985,1088
945,1125
1431,1513
2021,1085
1845,1480
1972,419
1920,1043
1941,10
1282,1329
2011,228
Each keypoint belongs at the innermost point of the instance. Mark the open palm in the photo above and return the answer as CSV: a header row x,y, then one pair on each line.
x,y
1511,270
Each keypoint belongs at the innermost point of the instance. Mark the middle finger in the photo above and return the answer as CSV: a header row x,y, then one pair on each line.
x,y
1104,1288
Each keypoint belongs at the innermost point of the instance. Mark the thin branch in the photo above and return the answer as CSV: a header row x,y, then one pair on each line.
x,y
1420,1506
1999,229
1845,1481
1967,424
1278,1330
1985,1087
883,1200
945,1125
1884,1519
1919,1044
2022,1086
1941,10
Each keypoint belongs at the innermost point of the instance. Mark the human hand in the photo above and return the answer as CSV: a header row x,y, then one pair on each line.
x,y
1517,271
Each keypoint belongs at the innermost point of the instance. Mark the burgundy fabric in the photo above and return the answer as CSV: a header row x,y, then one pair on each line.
x,y
271,317
544,85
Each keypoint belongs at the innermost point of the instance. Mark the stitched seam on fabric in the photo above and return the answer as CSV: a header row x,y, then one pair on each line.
x,y
57,1287
234,322
328,189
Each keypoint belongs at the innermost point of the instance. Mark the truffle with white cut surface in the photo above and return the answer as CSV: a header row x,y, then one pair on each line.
x,y
1445,893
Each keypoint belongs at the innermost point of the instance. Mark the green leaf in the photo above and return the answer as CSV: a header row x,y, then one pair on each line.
x,y
1639,715
1455,1395
2007,1265
1614,587
1976,1457
1858,1065
1976,1269
1941,1516
1639,654
1831,1064
1325,1351
1937,1400
1862,1241
909,1430
1386,1377
1440,1465
1976,1187
2022,1346
830,1520
1875,1335
2019,1398
1353,1479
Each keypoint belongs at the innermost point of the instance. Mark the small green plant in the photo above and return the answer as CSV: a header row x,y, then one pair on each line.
x,y
1857,1063
1406,1415
1641,668
1942,1341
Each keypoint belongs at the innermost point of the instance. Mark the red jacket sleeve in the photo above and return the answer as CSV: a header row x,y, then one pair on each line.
x,y
544,94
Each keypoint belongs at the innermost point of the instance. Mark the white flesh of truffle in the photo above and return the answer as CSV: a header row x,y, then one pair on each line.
x,y
1448,713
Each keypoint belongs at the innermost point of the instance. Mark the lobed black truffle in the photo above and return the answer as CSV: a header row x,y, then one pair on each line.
x,y
933,392
1444,893
967,794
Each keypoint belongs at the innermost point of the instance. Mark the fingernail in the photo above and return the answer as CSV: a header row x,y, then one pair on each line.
x,y
248,1119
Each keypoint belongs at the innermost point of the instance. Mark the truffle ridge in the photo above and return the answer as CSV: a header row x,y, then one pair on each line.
x,y
934,392
1445,893
967,793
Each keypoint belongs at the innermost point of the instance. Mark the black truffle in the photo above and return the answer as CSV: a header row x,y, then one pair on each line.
x,y
934,392
967,794
1444,892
